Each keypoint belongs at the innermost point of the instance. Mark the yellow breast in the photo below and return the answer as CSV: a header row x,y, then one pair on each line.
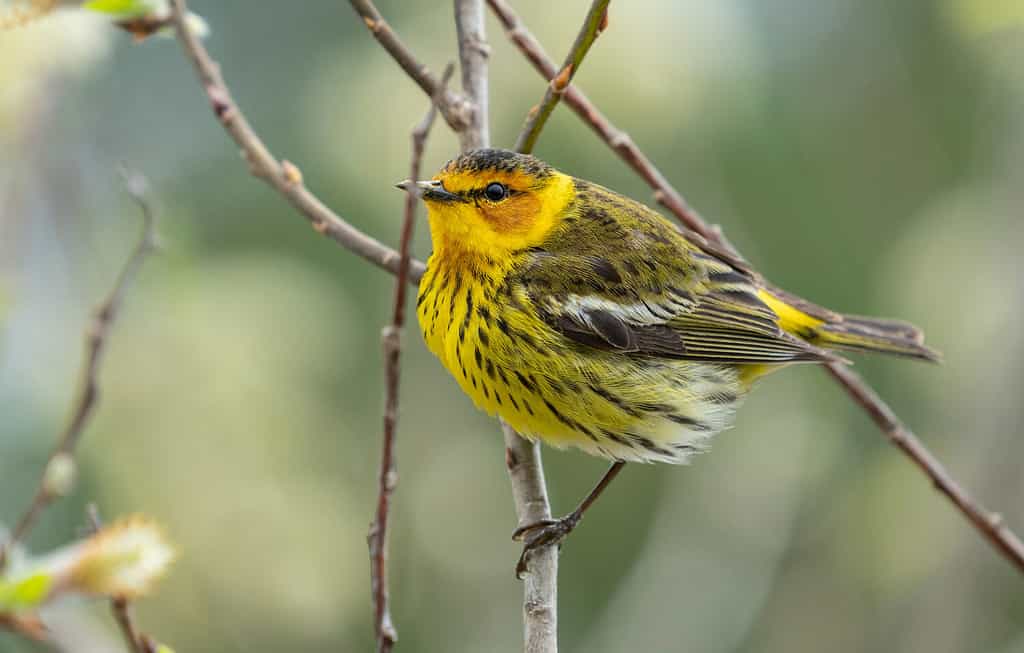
x,y
514,365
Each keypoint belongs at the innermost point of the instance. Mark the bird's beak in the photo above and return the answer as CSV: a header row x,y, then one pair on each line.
x,y
428,190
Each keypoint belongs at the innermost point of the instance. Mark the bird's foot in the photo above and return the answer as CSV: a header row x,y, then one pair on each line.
x,y
546,532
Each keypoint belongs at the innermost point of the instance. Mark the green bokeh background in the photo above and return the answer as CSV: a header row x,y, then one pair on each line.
x,y
866,154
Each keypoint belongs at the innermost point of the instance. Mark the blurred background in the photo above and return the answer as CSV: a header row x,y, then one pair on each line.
x,y
868,155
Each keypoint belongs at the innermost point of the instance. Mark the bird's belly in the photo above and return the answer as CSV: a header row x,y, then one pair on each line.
x,y
608,404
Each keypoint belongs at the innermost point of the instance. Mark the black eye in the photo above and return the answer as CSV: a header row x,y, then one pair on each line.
x,y
495,191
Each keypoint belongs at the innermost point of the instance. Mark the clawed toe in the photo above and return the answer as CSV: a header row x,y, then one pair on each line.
x,y
547,532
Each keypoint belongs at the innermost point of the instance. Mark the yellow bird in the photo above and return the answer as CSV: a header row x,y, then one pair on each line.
x,y
586,319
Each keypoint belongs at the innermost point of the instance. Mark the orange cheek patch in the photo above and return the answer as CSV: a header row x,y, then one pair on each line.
x,y
515,215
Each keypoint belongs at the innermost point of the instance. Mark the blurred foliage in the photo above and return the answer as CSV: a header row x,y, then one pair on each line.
x,y
867,154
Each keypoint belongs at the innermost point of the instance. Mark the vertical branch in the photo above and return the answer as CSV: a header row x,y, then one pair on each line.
x,y
525,470
593,25
473,55
392,344
540,586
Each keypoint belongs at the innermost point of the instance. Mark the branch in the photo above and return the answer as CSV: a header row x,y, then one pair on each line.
x,y
473,55
281,175
523,460
593,25
617,139
540,587
59,469
392,344
457,111
988,524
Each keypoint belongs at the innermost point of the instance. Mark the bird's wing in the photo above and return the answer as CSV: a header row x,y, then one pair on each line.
x,y
636,285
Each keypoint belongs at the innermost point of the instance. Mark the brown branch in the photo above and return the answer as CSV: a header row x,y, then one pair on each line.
x,y
988,524
457,111
617,139
593,25
120,607
61,460
392,344
281,175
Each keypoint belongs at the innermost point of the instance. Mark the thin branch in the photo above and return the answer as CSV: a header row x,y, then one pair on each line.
x,y
523,460
593,25
990,525
281,175
97,335
617,139
473,55
391,338
120,607
540,585
457,111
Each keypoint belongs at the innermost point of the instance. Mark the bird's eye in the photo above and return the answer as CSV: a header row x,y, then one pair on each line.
x,y
496,192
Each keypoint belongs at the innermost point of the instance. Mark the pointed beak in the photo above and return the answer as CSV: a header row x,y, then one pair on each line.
x,y
428,190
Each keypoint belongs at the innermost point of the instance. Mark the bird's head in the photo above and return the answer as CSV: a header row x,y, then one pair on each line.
x,y
492,202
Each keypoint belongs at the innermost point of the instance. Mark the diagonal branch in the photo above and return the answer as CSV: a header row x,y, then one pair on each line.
x,y
457,111
281,175
990,525
593,25
391,338
617,139
59,469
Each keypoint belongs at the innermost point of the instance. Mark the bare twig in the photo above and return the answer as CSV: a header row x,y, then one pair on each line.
x,y
473,55
457,111
392,343
593,24
988,524
282,175
120,607
540,585
526,472
617,139
85,401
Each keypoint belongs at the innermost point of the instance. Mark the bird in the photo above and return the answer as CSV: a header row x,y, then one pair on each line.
x,y
586,319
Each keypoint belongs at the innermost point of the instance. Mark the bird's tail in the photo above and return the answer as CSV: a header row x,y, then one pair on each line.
x,y
830,330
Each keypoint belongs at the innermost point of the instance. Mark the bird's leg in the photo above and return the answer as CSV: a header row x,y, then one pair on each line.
x,y
551,532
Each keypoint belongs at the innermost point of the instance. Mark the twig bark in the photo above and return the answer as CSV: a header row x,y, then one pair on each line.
x,y
456,110
540,585
990,525
391,338
616,138
526,472
281,175
97,335
473,55
593,24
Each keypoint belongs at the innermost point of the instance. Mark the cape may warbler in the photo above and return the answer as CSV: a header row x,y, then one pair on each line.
x,y
586,319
